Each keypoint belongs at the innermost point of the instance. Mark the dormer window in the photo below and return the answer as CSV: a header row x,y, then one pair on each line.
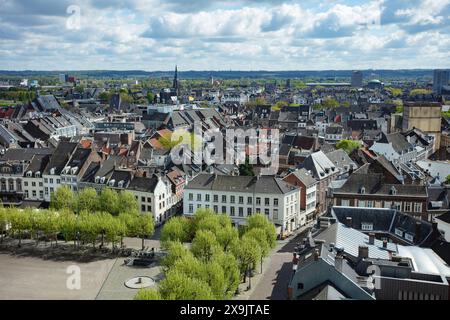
x,y
120,184
29,174
111,183
97,179
74,170
393,191
38,174
52,171
362,190
102,180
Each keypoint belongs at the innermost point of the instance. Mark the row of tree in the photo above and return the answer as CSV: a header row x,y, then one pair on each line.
x,y
218,257
89,200
85,218
84,228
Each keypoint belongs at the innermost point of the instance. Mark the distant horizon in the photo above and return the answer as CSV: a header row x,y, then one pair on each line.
x,y
221,70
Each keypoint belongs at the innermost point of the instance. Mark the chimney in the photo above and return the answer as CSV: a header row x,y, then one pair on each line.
x,y
372,238
435,226
316,255
349,222
363,252
385,244
338,262
418,230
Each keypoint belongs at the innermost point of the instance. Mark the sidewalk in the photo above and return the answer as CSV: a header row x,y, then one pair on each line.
x,y
268,285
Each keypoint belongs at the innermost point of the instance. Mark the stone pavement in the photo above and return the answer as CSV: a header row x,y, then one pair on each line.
x,y
277,270
114,286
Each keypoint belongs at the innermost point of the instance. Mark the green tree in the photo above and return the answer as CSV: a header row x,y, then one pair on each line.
x,y
246,169
176,251
247,253
62,198
259,221
143,226
230,268
148,294
205,245
19,223
447,179
109,201
176,229
177,286
87,200
260,236
348,145
128,202
150,97
416,92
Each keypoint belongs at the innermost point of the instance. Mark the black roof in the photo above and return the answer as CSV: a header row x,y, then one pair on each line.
x,y
60,157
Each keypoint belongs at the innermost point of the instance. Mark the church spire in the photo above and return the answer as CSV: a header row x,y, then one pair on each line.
x,y
175,78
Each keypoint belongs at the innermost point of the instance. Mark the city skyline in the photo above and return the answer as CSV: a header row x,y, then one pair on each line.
x,y
224,35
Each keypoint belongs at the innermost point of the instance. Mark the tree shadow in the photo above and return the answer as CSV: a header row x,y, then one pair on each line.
x,y
60,253
279,291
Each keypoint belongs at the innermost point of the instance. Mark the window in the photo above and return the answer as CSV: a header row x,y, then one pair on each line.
x,y
393,191
370,204
275,202
267,201
199,197
207,206
258,201
207,197
361,203
143,208
34,193
408,206
41,194
232,211
249,211
249,200
224,209
241,212
417,207
191,197
409,237
266,212
191,208
224,199
216,198
362,190
398,206
232,199
25,183
258,210
366,226
216,209
345,203
241,200
149,200
275,214
142,199
58,181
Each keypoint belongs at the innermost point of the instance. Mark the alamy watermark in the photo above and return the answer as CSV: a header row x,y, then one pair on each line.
x,y
238,146
73,22
73,281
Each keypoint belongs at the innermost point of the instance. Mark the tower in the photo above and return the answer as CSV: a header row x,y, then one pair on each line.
x,y
176,85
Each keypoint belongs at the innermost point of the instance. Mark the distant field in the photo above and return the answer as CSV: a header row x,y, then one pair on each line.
x,y
7,103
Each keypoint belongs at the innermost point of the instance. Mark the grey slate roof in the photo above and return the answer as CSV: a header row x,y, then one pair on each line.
x,y
305,177
264,184
60,157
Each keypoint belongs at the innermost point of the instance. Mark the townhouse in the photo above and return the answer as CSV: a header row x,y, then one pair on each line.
x,y
241,196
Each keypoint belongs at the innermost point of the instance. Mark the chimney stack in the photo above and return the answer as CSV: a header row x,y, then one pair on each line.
x,y
363,252
418,230
385,244
349,222
435,226
372,238
316,254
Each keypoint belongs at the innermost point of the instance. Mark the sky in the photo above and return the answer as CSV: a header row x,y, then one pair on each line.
x,y
155,35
